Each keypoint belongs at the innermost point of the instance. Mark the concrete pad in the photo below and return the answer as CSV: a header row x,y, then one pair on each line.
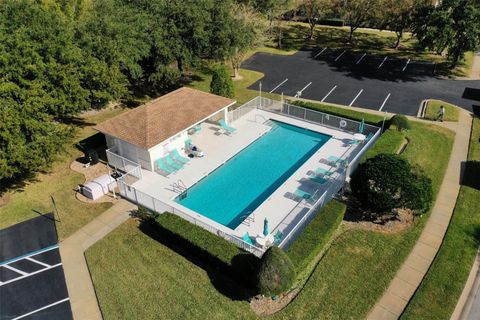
x,y
393,303
381,313
418,263
431,239
401,288
410,275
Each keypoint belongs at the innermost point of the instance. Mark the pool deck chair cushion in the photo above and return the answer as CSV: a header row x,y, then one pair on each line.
x,y
226,127
247,239
277,237
302,194
336,160
323,172
163,167
168,158
176,156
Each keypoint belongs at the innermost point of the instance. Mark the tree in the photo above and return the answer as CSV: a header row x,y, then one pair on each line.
x,y
454,25
401,122
276,273
313,10
274,10
247,31
388,181
398,16
357,13
222,84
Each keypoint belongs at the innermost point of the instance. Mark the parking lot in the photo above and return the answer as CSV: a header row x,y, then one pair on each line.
x,y
32,283
359,79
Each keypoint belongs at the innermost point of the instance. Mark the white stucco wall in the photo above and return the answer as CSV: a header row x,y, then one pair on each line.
x,y
176,142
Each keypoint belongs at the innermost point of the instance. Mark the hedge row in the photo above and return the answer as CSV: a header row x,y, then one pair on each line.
x,y
217,252
315,236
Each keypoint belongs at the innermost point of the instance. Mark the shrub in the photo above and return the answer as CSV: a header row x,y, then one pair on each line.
x,y
276,273
144,214
316,234
222,84
388,181
401,122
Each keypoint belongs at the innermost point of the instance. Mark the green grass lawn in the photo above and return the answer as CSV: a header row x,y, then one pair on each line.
x,y
59,182
451,111
137,277
438,294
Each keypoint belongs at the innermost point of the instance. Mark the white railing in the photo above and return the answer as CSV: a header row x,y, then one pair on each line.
x,y
365,147
123,164
239,112
159,206
314,116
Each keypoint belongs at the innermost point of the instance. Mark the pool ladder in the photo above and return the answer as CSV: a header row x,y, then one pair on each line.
x,y
248,220
179,187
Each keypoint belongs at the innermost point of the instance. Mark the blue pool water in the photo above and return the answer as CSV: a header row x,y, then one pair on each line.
x,y
238,187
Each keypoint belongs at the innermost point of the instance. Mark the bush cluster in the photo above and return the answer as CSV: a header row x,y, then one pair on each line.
x,y
276,273
400,122
388,181
222,83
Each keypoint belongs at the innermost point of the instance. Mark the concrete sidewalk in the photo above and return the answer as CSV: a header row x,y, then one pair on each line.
x,y
83,299
410,275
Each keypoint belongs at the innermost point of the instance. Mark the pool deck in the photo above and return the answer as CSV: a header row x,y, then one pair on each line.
x,y
218,148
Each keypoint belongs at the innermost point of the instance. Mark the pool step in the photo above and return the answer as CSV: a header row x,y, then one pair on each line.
x,y
270,123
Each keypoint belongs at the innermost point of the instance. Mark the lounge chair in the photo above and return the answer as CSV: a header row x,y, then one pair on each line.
x,y
352,142
278,236
170,162
246,237
369,136
317,179
323,172
334,160
226,127
302,194
197,128
163,167
176,156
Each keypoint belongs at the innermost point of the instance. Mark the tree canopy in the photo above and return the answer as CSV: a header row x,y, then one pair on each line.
x,y
60,58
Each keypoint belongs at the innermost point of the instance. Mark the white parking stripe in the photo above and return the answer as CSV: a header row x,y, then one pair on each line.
x,y
319,53
340,55
329,93
406,64
358,95
381,64
15,270
30,255
30,274
299,93
359,60
384,101
42,308
279,85
38,262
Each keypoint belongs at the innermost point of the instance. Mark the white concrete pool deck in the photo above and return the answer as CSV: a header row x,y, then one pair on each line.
x,y
218,148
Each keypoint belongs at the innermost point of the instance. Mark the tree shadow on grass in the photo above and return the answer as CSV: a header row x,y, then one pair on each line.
x,y
470,176
234,281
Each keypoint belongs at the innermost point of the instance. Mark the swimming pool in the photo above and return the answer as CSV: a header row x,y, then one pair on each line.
x,y
234,190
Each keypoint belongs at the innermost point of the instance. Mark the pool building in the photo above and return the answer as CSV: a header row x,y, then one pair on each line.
x,y
228,168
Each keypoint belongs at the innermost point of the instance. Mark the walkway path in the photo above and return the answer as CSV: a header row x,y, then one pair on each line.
x,y
79,284
475,72
408,278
